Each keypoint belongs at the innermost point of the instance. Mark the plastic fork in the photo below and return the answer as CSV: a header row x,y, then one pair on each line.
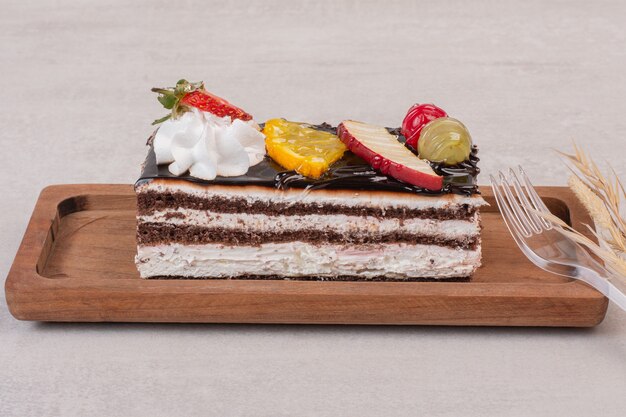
x,y
545,246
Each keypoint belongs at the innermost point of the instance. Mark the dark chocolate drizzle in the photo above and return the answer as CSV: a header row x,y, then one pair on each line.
x,y
350,172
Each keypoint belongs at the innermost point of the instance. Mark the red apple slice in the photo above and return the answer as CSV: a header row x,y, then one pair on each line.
x,y
385,153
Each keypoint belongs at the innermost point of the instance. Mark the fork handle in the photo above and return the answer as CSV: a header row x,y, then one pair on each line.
x,y
612,287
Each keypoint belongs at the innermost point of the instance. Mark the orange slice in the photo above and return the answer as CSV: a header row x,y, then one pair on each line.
x,y
299,147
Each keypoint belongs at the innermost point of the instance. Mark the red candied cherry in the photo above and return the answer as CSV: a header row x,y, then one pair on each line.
x,y
416,118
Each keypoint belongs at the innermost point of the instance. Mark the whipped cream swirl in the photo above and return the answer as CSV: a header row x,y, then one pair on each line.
x,y
208,146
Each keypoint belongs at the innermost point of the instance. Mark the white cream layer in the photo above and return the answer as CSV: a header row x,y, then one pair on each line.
x,y
340,223
298,259
338,197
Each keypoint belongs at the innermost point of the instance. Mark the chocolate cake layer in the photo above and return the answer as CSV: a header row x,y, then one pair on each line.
x,y
150,201
163,233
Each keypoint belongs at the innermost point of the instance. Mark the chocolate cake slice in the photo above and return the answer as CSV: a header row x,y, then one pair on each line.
x,y
186,229
211,204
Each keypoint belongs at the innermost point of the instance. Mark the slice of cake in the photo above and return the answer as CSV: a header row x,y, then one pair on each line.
x,y
353,203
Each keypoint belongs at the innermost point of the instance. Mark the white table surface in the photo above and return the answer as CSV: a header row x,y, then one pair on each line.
x,y
525,77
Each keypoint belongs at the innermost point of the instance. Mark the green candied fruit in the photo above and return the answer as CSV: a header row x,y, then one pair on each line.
x,y
445,140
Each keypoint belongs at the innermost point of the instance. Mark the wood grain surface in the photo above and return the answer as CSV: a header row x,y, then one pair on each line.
x,y
75,263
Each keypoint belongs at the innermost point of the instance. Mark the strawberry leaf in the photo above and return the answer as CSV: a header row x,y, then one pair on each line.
x,y
161,120
167,100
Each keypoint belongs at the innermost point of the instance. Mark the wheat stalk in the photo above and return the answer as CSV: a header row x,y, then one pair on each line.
x,y
599,213
602,198
594,204
610,192
612,260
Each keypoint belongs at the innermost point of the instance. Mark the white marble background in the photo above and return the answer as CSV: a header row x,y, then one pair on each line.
x,y
525,77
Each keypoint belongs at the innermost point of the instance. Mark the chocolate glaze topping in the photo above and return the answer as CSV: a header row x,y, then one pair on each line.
x,y
351,172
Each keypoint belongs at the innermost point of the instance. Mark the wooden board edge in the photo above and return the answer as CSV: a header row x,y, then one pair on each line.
x,y
23,274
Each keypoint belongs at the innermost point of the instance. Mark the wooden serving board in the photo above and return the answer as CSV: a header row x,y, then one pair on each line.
x,y
75,263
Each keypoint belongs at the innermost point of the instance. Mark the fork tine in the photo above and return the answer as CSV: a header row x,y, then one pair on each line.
x,y
509,217
515,206
525,202
538,203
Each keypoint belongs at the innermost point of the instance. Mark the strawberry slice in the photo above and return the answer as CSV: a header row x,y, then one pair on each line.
x,y
385,153
206,101
185,95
